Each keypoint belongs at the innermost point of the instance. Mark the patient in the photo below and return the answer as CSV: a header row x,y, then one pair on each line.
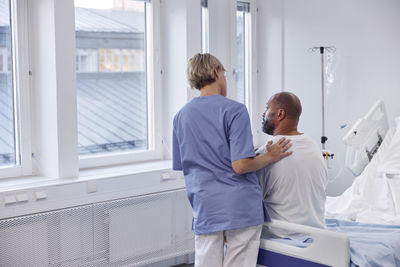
x,y
294,187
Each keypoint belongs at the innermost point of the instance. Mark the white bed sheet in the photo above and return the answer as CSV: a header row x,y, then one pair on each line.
x,y
374,196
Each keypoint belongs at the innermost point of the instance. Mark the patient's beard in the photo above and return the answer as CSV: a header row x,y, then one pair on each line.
x,y
268,127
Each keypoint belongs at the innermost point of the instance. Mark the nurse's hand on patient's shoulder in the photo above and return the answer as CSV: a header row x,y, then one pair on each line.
x,y
275,153
279,149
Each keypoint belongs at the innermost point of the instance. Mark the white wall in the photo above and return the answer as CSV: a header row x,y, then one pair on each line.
x,y
367,37
269,59
221,31
173,56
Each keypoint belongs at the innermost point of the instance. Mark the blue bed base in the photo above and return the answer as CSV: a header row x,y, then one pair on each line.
x,y
271,259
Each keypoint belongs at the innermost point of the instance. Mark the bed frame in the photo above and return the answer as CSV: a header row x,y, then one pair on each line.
x,y
328,248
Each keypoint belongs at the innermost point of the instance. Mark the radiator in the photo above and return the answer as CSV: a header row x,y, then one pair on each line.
x,y
126,232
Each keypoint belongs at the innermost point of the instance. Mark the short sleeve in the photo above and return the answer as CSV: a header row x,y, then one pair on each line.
x,y
240,136
176,153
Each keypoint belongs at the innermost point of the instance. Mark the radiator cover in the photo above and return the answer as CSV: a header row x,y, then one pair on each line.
x,y
126,232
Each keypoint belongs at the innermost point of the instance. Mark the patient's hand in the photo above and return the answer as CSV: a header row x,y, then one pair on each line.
x,y
279,149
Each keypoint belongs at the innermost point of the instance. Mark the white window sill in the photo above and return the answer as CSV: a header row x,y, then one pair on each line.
x,y
120,170
31,182
29,195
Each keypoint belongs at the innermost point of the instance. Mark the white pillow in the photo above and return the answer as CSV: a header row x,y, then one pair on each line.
x,y
390,163
397,121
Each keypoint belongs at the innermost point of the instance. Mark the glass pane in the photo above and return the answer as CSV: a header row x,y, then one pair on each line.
x,y
7,131
240,60
111,76
204,27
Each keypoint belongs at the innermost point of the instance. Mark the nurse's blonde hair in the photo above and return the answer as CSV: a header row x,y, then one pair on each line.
x,y
201,70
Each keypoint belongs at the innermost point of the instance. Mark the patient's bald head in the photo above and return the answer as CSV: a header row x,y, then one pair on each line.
x,y
290,103
282,114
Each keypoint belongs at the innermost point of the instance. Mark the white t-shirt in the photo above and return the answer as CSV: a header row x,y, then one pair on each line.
x,y
294,187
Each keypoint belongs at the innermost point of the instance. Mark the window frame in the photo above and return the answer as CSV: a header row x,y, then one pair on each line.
x,y
154,151
21,88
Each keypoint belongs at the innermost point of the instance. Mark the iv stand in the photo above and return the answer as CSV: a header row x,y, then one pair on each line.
x,y
321,50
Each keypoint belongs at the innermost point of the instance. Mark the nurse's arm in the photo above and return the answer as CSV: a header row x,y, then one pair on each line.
x,y
275,152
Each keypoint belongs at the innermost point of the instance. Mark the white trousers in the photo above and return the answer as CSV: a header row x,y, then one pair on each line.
x,y
241,248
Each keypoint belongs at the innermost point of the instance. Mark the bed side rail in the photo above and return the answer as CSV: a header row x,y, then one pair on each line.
x,y
328,247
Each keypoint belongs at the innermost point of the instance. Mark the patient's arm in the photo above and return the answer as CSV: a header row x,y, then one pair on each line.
x,y
274,153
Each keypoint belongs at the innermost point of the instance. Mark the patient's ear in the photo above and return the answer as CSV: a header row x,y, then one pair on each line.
x,y
281,114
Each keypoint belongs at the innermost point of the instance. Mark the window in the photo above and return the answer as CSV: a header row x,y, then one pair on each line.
x,y
8,119
243,50
14,159
112,52
109,59
132,60
204,27
86,60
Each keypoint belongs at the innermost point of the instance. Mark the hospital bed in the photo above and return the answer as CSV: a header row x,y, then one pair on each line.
x,y
367,142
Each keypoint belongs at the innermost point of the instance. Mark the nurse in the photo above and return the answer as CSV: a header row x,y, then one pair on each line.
x,y
212,144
